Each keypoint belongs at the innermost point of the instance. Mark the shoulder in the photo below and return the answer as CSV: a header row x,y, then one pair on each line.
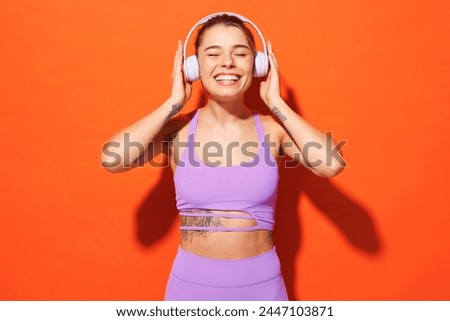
x,y
271,125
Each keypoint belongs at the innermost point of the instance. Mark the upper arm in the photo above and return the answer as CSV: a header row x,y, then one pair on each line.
x,y
290,149
160,145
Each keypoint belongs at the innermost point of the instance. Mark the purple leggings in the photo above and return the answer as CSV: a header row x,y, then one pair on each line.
x,y
197,278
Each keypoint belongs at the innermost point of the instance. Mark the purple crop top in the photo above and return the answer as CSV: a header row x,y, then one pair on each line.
x,y
250,187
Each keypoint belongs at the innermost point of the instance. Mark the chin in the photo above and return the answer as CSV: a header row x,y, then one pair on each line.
x,y
226,93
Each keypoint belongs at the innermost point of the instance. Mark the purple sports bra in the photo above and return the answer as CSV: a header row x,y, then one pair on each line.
x,y
203,190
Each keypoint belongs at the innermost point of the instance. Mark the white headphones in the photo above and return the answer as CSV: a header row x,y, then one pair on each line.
x,y
191,67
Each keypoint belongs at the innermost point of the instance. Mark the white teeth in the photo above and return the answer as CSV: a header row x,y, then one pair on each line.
x,y
227,77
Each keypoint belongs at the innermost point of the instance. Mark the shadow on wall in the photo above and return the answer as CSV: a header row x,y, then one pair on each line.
x,y
158,211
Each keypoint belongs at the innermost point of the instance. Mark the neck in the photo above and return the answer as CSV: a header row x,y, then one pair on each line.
x,y
224,113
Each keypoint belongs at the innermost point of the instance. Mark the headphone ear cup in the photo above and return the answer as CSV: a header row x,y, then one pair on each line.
x,y
261,65
191,68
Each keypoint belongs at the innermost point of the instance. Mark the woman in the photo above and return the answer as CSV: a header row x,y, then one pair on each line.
x,y
224,160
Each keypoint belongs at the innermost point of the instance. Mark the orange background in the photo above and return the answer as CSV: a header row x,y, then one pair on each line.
x,y
376,73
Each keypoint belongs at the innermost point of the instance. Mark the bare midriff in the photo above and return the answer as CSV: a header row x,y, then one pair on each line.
x,y
224,244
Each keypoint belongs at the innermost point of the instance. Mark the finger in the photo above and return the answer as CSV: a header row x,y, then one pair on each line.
x,y
175,62
177,59
180,55
272,57
269,46
274,74
273,63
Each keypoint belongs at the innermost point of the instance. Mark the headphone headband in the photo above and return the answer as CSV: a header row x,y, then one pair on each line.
x,y
240,17
191,65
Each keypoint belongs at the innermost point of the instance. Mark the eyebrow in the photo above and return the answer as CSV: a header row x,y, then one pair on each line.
x,y
234,47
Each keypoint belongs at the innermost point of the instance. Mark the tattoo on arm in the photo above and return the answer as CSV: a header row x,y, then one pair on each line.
x,y
278,113
175,109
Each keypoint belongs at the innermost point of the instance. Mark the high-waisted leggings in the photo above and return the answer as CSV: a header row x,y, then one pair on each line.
x,y
197,278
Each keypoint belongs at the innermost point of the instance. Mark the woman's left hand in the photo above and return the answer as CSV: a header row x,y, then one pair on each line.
x,y
270,87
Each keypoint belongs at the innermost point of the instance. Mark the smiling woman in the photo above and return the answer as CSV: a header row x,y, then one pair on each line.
x,y
226,62
226,249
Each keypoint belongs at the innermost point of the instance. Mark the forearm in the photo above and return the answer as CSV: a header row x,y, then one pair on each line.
x,y
124,147
317,147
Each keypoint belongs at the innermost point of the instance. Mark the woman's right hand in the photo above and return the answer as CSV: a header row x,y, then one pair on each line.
x,y
181,89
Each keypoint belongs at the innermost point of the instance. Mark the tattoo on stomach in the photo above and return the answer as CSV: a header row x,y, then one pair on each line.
x,y
205,221
200,221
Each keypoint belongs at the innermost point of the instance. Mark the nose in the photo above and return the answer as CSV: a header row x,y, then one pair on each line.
x,y
228,61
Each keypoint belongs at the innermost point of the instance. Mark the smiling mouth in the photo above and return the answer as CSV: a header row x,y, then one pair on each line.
x,y
227,78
